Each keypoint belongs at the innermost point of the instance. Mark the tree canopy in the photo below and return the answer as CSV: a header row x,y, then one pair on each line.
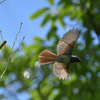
x,y
39,81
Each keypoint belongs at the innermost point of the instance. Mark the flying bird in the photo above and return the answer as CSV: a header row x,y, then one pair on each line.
x,y
64,54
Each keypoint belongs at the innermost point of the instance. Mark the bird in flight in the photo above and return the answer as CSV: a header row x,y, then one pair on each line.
x,y
64,54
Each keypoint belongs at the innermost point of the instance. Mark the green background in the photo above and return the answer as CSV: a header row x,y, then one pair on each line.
x,y
39,81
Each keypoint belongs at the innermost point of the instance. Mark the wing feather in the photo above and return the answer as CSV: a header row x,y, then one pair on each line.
x,y
60,70
68,41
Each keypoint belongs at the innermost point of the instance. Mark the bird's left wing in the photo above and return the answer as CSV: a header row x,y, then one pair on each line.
x,y
60,70
68,41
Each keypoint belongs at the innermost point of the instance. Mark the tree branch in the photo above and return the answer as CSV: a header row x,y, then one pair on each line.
x,y
4,42
2,1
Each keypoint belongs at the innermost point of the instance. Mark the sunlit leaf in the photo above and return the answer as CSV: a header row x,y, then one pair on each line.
x,y
51,1
38,39
61,22
51,33
45,20
39,13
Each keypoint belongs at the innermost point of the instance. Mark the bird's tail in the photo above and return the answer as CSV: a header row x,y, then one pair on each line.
x,y
46,57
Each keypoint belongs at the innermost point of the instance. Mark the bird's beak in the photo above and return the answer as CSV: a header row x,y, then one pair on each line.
x,y
80,60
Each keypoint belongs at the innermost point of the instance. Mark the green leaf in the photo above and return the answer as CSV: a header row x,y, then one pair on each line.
x,y
51,2
46,19
52,33
38,39
39,13
53,21
61,22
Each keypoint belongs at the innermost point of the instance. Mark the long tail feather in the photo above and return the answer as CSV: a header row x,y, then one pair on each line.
x,y
46,57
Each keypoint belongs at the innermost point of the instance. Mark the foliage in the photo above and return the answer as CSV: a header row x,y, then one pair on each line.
x,y
84,78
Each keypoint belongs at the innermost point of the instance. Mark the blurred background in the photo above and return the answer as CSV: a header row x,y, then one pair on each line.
x,y
44,23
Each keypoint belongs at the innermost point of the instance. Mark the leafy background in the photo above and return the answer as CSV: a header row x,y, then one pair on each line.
x,y
38,81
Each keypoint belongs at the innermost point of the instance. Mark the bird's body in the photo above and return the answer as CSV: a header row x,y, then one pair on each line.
x,y
64,54
63,59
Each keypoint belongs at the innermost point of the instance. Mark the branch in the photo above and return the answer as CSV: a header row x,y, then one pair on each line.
x,y
3,44
18,47
5,69
19,62
17,36
3,41
11,54
1,96
14,64
2,1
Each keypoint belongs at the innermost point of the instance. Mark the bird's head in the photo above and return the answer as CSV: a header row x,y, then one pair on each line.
x,y
75,59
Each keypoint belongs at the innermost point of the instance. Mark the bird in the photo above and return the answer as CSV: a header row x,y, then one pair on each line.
x,y
64,54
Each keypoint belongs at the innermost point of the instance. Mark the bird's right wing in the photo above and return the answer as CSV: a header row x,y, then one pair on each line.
x,y
60,70
68,41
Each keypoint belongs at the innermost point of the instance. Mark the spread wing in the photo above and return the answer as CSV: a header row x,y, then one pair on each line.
x,y
68,41
60,70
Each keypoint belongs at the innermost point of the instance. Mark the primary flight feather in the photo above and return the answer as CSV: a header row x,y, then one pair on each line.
x,y
64,54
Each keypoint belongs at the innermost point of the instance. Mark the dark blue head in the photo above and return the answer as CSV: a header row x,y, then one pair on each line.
x,y
75,59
